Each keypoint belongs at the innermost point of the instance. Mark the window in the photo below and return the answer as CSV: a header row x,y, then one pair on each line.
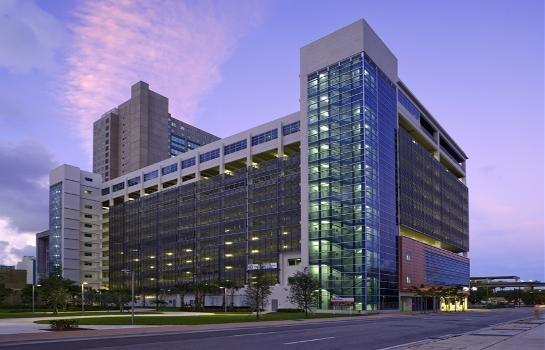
x,y
151,175
88,263
133,181
291,128
87,191
88,254
169,169
205,157
294,262
118,187
87,206
264,137
405,102
408,279
88,235
88,225
192,145
188,162
88,244
88,179
106,190
88,216
408,256
234,147
88,276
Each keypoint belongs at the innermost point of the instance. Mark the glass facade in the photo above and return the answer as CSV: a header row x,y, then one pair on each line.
x,y
55,229
234,147
209,230
264,137
352,163
151,175
431,199
442,270
169,169
291,128
134,181
188,163
405,102
118,186
179,144
205,157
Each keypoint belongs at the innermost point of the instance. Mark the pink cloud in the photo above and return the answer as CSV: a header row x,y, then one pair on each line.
x,y
176,47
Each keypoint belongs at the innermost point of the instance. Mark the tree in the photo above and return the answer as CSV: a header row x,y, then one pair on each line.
x,y
233,287
121,296
26,294
4,292
183,288
55,291
258,291
304,290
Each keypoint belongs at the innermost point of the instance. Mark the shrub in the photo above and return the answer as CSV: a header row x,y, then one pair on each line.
x,y
63,325
290,310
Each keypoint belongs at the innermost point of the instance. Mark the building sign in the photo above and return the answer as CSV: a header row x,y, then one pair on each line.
x,y
341,301
264,266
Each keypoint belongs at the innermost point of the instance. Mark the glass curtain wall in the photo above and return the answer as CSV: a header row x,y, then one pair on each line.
x,y
352,120
209,231
55,229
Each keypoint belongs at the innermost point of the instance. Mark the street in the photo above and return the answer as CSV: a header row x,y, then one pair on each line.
x,y
373,332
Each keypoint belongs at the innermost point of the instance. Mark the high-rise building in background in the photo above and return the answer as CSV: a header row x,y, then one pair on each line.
x,y
140,132
75,225
362,186
28,263
42,255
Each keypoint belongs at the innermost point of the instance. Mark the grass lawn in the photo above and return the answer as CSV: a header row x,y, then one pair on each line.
x,y
195,320
28,314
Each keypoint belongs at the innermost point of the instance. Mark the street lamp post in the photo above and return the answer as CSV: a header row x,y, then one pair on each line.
x,y
132,293
224,299
34,295
82,297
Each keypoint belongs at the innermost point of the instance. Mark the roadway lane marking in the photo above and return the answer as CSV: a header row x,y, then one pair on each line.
x,y
307,341
250,334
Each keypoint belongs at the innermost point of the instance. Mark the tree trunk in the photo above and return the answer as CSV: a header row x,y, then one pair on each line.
x,y
182,300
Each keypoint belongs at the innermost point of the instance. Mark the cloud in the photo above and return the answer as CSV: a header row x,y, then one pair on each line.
x,y
14,244
178,47
24,186
29,36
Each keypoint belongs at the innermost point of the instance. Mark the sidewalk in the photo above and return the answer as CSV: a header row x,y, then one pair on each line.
x,y
527,334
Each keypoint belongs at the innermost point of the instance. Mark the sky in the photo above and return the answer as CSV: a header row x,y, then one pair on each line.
x,y
226,66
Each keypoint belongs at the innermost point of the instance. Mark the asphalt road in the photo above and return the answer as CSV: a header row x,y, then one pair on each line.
x,y
358,333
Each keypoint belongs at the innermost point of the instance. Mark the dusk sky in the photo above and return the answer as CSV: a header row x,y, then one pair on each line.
x,y
226,66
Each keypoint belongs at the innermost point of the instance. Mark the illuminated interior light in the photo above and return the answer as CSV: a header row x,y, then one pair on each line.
x,y
255,251
228,243
255,238
228,255
228,267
